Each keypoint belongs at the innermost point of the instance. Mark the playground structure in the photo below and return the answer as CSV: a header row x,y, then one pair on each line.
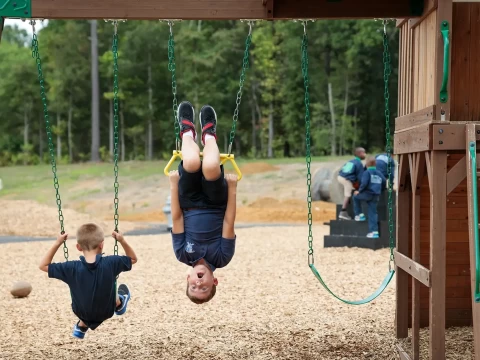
x,y
435,136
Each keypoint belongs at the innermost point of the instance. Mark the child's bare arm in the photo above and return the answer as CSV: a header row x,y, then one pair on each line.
x,y
177,214
47,259
231,211
128,249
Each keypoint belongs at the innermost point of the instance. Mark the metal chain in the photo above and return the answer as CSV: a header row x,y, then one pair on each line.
x,y
308,157
172,69
388,140
245,66
115,129
43,95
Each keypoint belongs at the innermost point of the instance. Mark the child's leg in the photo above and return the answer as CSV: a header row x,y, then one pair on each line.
x,y
211,155
191,155
81,324
373,215
211,160
357,205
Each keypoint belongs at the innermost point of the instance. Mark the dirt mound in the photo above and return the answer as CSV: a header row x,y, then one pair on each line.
x,y
257,167
147,216
272,210
29,218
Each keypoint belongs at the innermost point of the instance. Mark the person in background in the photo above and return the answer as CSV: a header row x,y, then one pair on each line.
x,y
350,173
371,186
382,165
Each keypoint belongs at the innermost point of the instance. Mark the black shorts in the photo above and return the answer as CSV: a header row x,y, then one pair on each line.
x,y
195,191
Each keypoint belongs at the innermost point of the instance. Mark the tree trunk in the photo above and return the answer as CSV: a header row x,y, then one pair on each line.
x,y
150,108
354,145
270,131
26,126
59,138
110,127
69,129
95,148
344,118
333,121
40,138
122,135
254,130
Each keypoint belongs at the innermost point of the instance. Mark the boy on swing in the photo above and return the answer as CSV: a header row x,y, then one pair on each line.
x,y
203,203
92,278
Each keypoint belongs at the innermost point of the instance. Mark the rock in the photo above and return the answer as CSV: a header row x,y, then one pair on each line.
x,y
321,183
21,289
336,189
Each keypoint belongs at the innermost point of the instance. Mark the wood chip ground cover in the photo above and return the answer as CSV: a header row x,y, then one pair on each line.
x,y
268,306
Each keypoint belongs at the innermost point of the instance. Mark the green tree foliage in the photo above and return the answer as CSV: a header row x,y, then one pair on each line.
x,y
346,54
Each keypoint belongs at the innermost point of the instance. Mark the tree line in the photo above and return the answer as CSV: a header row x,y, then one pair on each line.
x,y
346,88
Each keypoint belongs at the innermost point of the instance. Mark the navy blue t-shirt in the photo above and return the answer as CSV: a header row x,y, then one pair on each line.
x,y
372,182
352,170
92,285
382,163
202,239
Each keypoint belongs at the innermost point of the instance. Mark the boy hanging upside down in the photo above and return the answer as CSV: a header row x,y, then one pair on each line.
x,y
92,278
203,205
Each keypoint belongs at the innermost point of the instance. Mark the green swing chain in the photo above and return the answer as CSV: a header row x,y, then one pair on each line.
x,y
308,157
115,129
172,69
36,56
245,66
388,141
387,72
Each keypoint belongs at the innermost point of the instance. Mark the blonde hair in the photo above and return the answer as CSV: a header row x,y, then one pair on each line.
x,y
89,236
196,300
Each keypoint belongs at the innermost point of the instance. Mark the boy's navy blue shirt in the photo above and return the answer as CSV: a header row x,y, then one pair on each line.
x,y
352,170
202,239
382,163
92,285
372,182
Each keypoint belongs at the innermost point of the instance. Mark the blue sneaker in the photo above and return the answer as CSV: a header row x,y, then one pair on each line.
x,y
79,331
373,235
360,217
124,295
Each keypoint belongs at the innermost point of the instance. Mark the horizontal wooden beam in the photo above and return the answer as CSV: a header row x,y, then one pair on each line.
x,y
449,137
414,139
402,353
419,272
225,9
414,119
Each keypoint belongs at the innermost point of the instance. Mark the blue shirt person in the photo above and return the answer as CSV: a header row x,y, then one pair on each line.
x,y
383,160
350,173
371,186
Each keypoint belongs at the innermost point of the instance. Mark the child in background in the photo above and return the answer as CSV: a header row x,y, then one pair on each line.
x,y
92,278
371,186
350,173
382,165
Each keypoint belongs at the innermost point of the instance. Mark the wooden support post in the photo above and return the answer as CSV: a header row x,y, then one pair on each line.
x,y
402,236
417,171
444,13
471,136
438,204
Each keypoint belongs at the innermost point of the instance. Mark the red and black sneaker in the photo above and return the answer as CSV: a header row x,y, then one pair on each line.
x,y
186,118
208,122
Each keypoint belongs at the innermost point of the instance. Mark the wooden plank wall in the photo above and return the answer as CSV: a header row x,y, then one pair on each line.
x,y
405,70
424,43
465,79
458,295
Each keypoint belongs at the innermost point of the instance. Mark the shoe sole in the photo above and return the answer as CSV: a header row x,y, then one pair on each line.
x,y
344,218
200,115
